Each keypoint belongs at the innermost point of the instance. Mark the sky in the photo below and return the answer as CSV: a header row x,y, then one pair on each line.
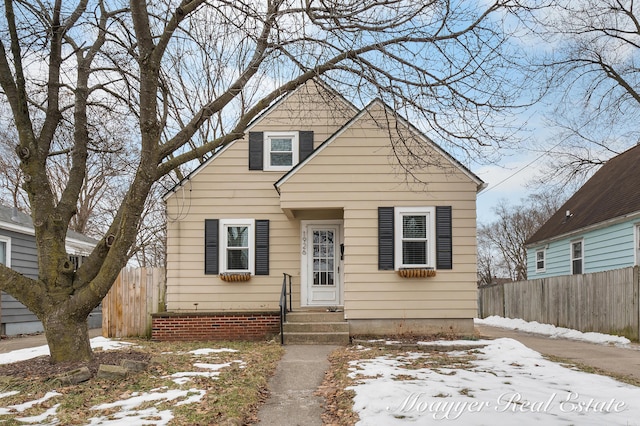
x,y
506,181
506,383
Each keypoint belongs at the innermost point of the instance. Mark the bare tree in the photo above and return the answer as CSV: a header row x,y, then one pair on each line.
x,y
443,63
501,243
594,49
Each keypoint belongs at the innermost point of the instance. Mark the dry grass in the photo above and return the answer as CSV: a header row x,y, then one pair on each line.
x,y
232,398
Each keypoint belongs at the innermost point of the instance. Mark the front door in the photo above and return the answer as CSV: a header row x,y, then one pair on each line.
x,y
322,258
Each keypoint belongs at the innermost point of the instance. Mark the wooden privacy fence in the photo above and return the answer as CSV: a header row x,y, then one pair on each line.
x,y
606,302
127,308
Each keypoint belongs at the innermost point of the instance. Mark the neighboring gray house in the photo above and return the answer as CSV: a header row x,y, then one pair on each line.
x,y
18,251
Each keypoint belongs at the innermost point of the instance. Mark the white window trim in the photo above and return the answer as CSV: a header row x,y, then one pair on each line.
x,y
295,145
430,212
224,224
581,241
7,241
544,259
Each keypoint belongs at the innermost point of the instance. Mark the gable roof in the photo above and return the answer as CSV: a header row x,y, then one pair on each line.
x,y
480,183
255,121
612,192
14,220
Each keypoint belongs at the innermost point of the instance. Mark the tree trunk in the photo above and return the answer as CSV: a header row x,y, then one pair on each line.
x,y
68,339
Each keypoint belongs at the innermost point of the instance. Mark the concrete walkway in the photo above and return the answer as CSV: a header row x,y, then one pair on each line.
x,y
623,361
299,373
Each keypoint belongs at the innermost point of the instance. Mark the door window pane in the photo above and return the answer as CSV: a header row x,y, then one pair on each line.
x,y
323,257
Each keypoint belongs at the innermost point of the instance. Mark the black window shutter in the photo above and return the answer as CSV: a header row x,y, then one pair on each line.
x,y
306,144
211,246
444,240
385,238
256,140
262,247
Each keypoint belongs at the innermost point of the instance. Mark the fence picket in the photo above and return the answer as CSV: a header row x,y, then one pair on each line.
x,y
605,302
135,295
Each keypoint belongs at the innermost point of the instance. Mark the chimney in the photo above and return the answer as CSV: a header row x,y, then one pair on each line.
x,y
14,214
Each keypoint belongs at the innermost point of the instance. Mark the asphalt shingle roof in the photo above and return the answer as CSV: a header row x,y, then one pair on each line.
x,y
612,192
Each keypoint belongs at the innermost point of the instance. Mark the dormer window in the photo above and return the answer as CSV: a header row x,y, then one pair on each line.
x,y
281,151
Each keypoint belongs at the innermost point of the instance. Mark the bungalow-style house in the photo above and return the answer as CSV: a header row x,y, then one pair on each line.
x,y
18,251
597,229
331,196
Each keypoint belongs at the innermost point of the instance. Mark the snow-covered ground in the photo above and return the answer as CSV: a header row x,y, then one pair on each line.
x,y
551,330
504,383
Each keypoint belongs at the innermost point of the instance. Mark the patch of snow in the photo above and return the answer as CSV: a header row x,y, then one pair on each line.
x,y
51,412
149,416
28,353
135,401
108,344
25,406
208,351
10,393
551,330
507,384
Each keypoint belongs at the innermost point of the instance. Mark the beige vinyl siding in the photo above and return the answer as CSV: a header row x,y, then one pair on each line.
x,y
349,178
225,188
358,172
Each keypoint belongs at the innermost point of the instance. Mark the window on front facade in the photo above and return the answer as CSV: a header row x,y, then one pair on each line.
x,y
5,251
237,249
414,243
576,257
281,151
540,259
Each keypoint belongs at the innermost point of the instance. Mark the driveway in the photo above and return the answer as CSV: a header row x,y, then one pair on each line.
x,y
622,360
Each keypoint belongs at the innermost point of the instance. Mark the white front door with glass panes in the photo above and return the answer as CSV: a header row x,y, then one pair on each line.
x,y
321,264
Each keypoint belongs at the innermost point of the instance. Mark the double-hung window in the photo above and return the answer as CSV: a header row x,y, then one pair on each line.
x,y
237,245
281,150
540,260
577,257
415,237
5,251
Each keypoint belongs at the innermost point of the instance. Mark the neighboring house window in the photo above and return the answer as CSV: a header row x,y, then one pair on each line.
x,y
280,151
415,237
236,245
540,260
5,251
577,257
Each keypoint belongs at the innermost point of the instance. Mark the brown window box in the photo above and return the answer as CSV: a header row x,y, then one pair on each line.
x,y
235,276
417,273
